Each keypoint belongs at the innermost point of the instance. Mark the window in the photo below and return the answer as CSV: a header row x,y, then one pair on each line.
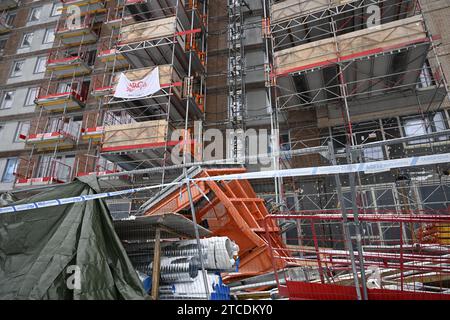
x,y
35,14
428,124
415,127
22,130
56,10
67,87
43,169
31,96
64,166
59,167
373,153
285,145
3,44
27,39
49,35
439,125
10,168
7,100
17,69
53,124
10,18
367,133
425,78
41,63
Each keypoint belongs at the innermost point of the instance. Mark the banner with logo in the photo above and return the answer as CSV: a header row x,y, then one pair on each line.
x,y
146,86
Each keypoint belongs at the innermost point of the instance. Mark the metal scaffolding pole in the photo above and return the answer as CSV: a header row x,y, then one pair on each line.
x,y
346,223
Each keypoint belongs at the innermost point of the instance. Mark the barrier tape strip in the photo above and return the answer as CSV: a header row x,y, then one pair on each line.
x,y
367,167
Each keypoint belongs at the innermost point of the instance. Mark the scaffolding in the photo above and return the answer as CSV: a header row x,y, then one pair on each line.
x,y
340,87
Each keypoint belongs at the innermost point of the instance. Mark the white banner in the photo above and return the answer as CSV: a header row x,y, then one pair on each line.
x,y
146,86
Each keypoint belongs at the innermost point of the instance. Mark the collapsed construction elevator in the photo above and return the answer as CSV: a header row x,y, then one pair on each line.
x,y
332,82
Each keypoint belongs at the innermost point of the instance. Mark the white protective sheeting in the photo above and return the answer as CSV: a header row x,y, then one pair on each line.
x,y
127,89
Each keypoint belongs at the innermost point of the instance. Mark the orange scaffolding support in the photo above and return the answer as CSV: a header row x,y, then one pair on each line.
x,y
233,210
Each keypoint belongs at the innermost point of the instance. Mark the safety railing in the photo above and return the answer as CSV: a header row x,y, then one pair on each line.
x,y
369,255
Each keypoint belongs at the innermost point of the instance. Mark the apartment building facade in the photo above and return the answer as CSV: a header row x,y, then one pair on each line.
x,y
27,36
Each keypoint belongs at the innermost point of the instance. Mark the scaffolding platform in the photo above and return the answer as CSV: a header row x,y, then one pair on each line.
x,y
27,182
113,59
151,43
51,140
374,62
57,102
77,35
295,22
130,144
86,6
384,38
92,133
68,67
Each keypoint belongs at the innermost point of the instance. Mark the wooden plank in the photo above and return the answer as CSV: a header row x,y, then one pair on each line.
x,y
137,133
284,10
156,264
362,42
148,30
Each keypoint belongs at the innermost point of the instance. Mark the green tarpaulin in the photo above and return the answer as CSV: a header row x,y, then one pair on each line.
x,y
43,250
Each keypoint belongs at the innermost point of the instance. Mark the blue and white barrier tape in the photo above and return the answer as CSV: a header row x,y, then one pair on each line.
x,y
367,167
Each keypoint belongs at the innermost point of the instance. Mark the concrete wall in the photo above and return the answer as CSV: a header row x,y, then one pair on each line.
x,y
7,137
19,103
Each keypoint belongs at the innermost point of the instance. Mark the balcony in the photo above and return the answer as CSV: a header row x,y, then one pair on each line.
x,y
76,35
69,66
129,144
46,171
4,26
112,58
295,22
116,19
152,42
8,4
101,168
56,99
63,138
93,133
376,62
86,6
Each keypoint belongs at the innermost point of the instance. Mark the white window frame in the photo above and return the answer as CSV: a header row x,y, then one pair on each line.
x,y
32,10
27,98
47,32
19,130
8,18
428,125
6,169
55,12
22,45
13,74
4,93
41,58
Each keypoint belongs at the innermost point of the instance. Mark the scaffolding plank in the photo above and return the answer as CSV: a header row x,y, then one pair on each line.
x,y
148,30
135,134
389,36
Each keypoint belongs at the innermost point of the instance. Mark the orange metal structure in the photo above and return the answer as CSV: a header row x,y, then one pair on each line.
x,y
233,210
